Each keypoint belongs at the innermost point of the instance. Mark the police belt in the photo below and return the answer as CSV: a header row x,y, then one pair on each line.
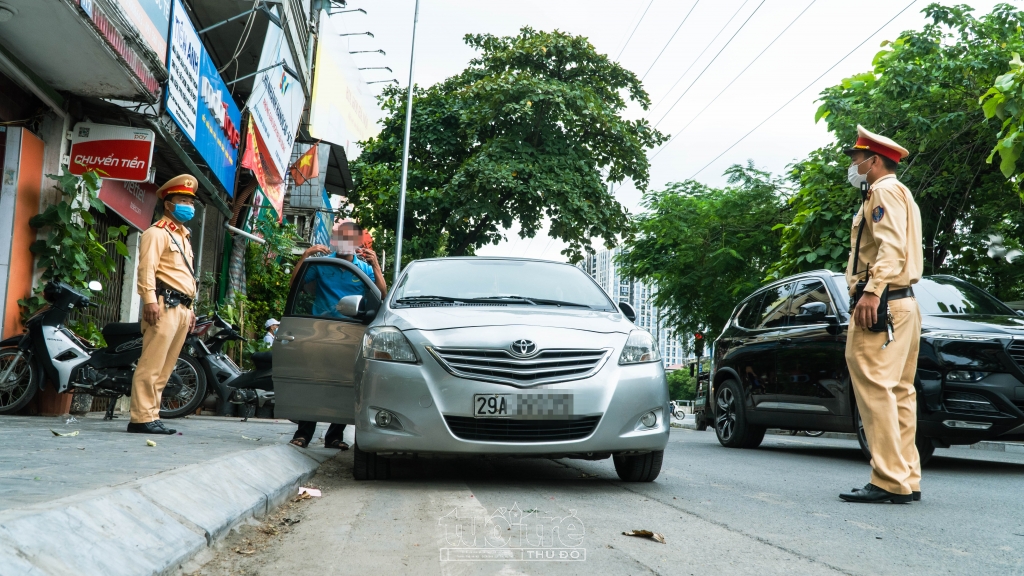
x,y
172,297
901,294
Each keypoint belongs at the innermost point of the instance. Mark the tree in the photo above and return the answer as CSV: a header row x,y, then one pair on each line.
x,y
705,248
522,135
923,91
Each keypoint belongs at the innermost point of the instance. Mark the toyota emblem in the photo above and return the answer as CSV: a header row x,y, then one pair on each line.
x,y
523,347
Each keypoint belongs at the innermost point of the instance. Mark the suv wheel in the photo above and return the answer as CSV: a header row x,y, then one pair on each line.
x,y
731,424
369,466
925,446
639,468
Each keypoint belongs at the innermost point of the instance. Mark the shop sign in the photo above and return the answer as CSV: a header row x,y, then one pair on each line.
x,y
133,201
151,18
114,152
277,100
199,101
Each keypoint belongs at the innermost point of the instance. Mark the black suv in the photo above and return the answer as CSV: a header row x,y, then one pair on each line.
x,y
780,363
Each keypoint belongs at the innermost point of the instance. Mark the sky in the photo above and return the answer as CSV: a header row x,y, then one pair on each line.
x,y
716,42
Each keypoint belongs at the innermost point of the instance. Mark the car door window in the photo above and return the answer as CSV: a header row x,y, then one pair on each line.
x,y
321,288
749,315
809,304
773,306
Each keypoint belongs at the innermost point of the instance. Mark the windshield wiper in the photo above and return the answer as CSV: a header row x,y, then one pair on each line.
x,y
533,301
415,299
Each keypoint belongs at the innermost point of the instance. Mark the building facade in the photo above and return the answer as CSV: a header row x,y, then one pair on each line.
x,y
602,267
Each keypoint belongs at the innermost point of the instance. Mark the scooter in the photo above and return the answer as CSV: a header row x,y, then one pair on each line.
x,y
251,390
49,350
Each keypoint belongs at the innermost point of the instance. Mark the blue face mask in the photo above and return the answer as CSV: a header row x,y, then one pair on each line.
x,y
183,212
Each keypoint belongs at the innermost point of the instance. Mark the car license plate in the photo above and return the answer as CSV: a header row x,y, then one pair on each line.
x,y
525,406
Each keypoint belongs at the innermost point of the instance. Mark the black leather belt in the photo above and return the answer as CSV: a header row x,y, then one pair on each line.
x,y
901,294
172,297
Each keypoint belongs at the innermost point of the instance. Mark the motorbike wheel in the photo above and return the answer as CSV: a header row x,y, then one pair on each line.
x,y
193,390
21,385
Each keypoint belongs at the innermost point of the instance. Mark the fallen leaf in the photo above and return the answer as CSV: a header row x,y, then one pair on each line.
x,y
311,491
150,443
303,496
646,534
66,435
585,475
269,530
246,552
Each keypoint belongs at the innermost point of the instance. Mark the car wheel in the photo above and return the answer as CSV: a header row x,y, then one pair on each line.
x,y
639,468
925,446
369,466
731,424
701,421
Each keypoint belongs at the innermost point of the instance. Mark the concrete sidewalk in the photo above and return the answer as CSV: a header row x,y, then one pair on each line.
x,y
104,502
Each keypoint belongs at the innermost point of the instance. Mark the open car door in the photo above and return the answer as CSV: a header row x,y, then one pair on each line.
x,y
317,345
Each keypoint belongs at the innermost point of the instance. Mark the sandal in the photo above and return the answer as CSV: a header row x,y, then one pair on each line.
x,y
300,442
339,444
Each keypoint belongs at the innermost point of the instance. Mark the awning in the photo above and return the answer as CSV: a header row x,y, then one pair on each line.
x,y
339,177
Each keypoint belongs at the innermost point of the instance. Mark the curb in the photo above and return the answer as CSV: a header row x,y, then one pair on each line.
x,y
1012,447
152,525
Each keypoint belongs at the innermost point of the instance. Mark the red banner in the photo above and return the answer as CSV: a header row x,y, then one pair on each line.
x,y
257,159
115,152
133,201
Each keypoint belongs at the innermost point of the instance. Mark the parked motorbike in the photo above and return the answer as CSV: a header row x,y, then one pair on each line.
x,y
251,391
50,351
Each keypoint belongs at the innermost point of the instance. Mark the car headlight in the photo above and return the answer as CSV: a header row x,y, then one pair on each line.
x,y
640,347
965,336
965,376
389,344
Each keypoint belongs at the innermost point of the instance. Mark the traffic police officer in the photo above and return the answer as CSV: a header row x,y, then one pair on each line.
x,y
882,371
167,285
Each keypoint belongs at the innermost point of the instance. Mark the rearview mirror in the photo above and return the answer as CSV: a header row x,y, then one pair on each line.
x,y
95,286
352,306
627,311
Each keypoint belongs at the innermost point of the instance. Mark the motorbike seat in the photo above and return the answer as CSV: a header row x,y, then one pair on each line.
x,y
121,329
262,360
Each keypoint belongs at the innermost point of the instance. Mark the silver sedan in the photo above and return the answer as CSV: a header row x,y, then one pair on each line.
x,y
472,356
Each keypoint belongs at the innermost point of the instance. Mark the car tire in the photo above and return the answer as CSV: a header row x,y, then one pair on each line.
x,y
731,424
701,421
639,468
369,465
925,446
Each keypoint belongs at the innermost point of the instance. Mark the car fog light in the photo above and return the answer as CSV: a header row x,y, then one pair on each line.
x,y
967,425
649,419
383,418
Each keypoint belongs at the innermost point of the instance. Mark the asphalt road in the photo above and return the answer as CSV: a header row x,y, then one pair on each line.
x,y
773,510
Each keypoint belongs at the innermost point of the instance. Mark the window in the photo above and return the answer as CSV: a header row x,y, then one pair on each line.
x,y
947,295
809,304
322,286
767,310
750,314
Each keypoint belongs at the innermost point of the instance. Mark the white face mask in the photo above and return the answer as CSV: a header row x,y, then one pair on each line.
x,y
855,177
344,247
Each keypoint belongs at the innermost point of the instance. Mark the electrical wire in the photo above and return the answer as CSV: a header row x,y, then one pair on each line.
x,y
634,31
719,53
806,88
685,18
733,81
697,59
241,39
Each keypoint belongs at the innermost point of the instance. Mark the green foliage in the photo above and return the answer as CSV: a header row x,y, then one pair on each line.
x,y
706,248
681,386
1005,99
923,91
268,270
522,135
72,251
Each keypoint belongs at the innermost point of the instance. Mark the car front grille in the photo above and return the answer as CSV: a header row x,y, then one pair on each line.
x,y
496,365
963,402
509,430
1016,351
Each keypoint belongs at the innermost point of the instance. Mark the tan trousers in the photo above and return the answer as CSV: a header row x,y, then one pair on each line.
x,y
161,344
883,383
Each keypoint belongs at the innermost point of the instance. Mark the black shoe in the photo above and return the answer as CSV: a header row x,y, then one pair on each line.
x,y
873,495
154,427
160,423
916,494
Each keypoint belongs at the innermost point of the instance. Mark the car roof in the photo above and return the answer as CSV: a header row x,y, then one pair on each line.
x,y
495,258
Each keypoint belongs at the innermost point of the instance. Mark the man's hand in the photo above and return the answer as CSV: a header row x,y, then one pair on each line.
x,y
151,313
191,320
318,249
371,258
866,313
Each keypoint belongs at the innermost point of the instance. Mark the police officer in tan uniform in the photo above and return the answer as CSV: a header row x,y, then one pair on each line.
x,y
882,367
167,285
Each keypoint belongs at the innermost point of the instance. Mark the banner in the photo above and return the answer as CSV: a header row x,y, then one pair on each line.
x,y
257,160
151,18
277,100
115,152
133,201
199,102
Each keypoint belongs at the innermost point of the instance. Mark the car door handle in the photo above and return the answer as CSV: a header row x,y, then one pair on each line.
x,y
284,338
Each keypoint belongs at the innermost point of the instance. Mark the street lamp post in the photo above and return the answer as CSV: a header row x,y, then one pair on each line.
x,y
405,149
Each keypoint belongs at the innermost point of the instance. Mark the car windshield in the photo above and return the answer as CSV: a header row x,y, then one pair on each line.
x,y
500,281
946,295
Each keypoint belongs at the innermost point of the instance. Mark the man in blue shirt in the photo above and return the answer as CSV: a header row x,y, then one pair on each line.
x,y
329,284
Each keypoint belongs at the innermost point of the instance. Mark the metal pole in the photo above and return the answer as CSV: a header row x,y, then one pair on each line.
x,y
405,149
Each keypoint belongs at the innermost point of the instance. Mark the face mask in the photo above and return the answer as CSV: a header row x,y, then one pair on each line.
x,y
183,212
855,177
344,247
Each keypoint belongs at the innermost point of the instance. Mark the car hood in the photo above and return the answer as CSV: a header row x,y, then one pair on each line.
x,y
450,317
974,323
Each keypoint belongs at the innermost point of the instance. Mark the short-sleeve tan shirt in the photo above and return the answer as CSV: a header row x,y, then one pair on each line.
x,y
891,243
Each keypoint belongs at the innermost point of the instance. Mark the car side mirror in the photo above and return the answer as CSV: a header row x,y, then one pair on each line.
x,y
627,311
1020,312
352,306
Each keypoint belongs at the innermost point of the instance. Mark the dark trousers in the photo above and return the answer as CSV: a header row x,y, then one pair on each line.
x,y
308,429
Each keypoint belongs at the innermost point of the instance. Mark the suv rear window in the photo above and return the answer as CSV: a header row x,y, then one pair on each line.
x,y
766,309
